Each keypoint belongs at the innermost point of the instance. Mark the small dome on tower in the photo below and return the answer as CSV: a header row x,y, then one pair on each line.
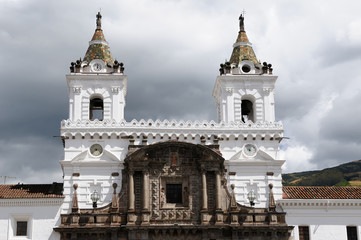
x,y
98,46
242,49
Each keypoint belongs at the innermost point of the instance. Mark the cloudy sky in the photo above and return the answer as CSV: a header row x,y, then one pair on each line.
x,y
172,50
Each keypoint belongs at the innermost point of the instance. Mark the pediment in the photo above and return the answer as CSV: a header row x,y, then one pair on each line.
x,y
85,156
260,156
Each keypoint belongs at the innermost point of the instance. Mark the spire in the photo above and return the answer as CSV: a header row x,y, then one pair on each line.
x,y
242,49
272,204
74,205
98,46
115,198
233,203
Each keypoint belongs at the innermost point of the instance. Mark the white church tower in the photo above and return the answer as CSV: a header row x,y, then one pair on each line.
x,y
97,139
244,90
244,94
97,88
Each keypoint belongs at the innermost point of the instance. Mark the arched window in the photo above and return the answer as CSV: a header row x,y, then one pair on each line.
x,y
247,111
96,109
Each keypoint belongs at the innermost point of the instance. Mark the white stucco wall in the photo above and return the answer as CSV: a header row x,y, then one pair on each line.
x,y
42,216
326,218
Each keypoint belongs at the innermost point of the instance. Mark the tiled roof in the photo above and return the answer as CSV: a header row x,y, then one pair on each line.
x,y
243,52
98,51
98,35
54,190
308,192
242,37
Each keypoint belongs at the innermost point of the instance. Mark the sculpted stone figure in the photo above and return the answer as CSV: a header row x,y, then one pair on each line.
x,y
241,22
99,21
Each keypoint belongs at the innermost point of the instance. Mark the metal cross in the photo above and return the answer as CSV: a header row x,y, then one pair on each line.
x,y
243,12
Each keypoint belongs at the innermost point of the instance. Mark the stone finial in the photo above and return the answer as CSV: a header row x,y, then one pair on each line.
x,y
115,198
221,69
121,67
233,199
72,67
270,69
74,206
78,65
272,204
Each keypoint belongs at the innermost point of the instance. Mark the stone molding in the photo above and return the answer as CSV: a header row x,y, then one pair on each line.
x,y
30,202
320,203
177,128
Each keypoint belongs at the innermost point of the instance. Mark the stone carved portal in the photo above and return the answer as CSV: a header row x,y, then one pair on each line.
x,y
173,190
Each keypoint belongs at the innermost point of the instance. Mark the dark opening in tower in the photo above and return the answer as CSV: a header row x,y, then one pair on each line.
x,y
247,111
96,109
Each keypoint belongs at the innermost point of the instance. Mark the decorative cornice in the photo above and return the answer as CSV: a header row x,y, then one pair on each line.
x,y
177,128
11,202
320,203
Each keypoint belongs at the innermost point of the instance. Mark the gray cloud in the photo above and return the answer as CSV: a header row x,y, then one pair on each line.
x,y
342,124
171,51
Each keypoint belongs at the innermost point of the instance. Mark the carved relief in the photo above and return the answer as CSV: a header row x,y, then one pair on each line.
x,y
267,90
76,90
115,89
182,168
229,90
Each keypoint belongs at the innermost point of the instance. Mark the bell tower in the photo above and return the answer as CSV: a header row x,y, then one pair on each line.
x,y
97,85
244,89
97,88
244,94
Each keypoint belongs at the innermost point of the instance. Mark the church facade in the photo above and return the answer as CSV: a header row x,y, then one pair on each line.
x,y
173,179
160,179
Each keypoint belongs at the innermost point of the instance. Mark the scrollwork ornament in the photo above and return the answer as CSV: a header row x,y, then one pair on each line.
x,y
267,90
76,90
229,90
115,89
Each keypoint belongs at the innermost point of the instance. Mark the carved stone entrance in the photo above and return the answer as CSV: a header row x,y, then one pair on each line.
x,y
174,190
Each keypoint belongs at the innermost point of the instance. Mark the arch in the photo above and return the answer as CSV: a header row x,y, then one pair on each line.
x,y
96,108
176,171
247,108
91,94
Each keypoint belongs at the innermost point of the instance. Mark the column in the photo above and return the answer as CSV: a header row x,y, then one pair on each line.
x,y
204,191
218,191
131,191
146,190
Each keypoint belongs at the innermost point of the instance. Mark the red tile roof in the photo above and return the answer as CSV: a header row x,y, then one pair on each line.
x,y
54,190
308,192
